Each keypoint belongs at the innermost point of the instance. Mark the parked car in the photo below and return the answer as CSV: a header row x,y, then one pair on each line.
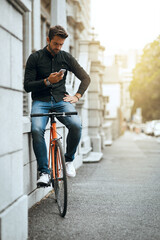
x,y
149,129
157,129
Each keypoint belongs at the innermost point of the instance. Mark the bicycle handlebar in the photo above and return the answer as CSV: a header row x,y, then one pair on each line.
x,y
55,114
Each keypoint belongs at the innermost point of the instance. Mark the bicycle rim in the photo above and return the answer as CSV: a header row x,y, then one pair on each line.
x,y
60,182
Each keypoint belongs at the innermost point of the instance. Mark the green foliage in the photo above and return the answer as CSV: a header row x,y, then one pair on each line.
x,y
145,86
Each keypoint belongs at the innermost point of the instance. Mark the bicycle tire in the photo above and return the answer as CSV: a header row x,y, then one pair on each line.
x,y
60,181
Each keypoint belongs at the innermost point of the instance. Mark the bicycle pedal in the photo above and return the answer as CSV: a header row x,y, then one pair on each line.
x,y
39,185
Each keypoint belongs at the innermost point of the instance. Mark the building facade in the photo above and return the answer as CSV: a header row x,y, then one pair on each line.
x,y
126,61
112,93
13,200
24,26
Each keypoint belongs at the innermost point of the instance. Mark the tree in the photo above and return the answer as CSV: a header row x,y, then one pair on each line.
x,y
145,86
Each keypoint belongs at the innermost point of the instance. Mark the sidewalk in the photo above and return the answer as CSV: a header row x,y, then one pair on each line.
x,y
115,199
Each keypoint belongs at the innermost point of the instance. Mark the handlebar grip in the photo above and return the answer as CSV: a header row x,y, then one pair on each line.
x,y
71,113
37,114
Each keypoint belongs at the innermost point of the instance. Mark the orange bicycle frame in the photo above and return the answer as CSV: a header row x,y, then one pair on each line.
x,y
53,137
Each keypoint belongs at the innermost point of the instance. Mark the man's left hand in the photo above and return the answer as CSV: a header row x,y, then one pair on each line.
x,y
71,99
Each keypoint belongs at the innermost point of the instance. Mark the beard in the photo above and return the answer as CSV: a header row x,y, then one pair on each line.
x,y
53,51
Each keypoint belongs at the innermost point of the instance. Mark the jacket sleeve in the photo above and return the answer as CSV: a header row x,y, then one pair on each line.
x,y
30,83
81,74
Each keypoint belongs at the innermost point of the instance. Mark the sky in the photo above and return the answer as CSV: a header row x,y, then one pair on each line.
x,y
125,24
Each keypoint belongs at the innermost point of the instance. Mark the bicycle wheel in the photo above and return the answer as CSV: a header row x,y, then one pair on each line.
x,y
60,181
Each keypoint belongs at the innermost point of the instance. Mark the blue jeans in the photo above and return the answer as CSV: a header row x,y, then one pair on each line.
x,y
38,127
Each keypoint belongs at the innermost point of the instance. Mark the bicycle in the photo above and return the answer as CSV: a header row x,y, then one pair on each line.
x,y
56,161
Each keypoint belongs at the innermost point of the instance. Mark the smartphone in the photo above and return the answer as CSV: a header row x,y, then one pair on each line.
x,y
62,70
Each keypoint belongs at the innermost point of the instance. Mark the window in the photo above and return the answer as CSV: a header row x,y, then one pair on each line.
x,y
28,40
44,31
107,113
26,52
45,21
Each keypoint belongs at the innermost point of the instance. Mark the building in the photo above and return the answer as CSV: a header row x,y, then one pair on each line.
x,y
126,101
117,79
112,94
126,62
23,28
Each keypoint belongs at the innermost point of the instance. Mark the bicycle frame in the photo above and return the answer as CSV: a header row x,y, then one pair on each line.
x,y
53,138
52,142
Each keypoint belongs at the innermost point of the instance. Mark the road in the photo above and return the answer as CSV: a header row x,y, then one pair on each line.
x,y
115,199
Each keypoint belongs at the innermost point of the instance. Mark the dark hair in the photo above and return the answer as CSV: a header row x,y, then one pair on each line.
x,y
57,31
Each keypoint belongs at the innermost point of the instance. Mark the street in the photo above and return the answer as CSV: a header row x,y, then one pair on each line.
x,y
115,199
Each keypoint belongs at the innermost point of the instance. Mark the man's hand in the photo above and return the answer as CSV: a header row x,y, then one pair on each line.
x,y
55,77
71,99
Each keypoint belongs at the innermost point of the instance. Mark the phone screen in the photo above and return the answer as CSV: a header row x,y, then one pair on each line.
x,y
62,70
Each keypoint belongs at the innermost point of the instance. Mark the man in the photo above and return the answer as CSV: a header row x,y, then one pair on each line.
x,y
47,83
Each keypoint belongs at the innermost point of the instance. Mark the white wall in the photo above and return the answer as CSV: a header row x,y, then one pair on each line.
x,y
13,201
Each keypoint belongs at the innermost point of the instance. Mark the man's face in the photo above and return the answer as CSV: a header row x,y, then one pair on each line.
x,y
55,44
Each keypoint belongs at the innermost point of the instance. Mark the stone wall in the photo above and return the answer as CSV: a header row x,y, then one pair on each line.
x,y
13,201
